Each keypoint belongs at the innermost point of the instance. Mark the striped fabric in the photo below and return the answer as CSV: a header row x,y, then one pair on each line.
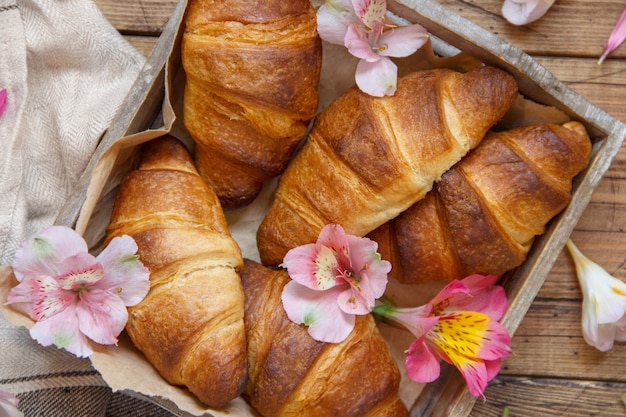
x,y
66,71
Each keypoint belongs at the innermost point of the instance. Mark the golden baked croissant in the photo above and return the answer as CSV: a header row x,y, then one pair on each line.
x,y
367,159
252,74
484,214
291,374
190,325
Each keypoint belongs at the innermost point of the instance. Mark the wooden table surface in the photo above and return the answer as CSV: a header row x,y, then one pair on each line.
x,y
552,372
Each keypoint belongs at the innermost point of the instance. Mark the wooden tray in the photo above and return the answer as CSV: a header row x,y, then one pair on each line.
x,y
448,396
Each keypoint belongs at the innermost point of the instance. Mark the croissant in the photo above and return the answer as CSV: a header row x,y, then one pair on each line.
x,y
252,74
190,325
291,374
367,159
483,216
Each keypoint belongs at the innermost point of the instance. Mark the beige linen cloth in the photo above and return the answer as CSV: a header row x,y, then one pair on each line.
x,y
66,71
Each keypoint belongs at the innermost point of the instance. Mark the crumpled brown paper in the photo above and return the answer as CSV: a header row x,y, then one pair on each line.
x,y
123,367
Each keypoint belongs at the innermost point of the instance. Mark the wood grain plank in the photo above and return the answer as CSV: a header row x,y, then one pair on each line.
x,y
138,17
557,33
603,85
144,44
551,397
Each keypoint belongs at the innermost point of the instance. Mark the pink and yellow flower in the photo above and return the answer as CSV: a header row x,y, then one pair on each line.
x,y
360,26
72,295
604,302
333,280
460,326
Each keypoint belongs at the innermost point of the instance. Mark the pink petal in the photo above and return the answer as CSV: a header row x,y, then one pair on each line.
x,y
62,330
492,367
618,34
314,266
123,271
377,79
333,19
370,12
357,42
418,320
475,375
367,262
40,297
453,290
3,100
101,316
79,271
521,12
44,254
421,364
318,310
352,301
483,296
402,41
333,236
496,344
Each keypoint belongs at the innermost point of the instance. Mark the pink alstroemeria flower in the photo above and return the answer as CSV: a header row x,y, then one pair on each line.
x,y
617,36
8,405
604,302
333,280
72,295
360,26
3,100
522,12
459,325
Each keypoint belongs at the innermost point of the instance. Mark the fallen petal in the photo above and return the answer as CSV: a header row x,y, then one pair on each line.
x,y
522,12
616,38
377,79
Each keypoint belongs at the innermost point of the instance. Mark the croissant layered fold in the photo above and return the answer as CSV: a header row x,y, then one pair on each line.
x,y
483,216
252,74
368,159
190,325
291,374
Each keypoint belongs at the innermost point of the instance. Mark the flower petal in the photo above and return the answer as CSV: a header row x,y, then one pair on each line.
x,y
604,300
421,364
482,296
370,12
62,330
617,36
402,41
123,271
313,265
40,297
356,300
475,374
357,42
101,316
333,19
377,79
43,254
521,12
318,310
3,100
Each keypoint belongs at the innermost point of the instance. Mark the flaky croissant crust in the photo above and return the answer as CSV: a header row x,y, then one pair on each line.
x,y
190,325
484,214
291,374
367,159
252,75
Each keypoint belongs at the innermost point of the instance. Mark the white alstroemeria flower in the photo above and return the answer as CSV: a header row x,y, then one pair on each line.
x,y
521,12
604,302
